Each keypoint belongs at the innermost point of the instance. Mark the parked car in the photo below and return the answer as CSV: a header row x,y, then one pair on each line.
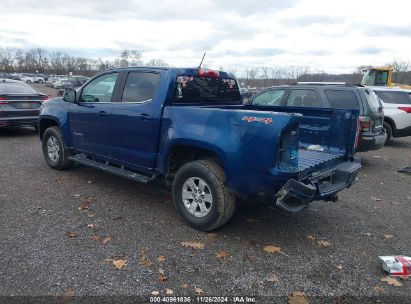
x,y
4,75
301,96
190,127
20,104
32,78
397,111
65,84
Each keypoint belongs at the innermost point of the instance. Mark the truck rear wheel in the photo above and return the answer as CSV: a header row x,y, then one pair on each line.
x,y
201,196
54,151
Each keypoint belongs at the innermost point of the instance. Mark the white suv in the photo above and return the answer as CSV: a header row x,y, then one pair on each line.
x,y
31,78
397,111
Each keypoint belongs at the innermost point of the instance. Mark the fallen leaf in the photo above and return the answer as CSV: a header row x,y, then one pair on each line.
x,y
324,243
90,215
198,290
391,281
388,236
72,234
212,234
193,245
169,291
185,285
95,238
272,279
68,295
89,182
144,261
222,254
106,240
155,293
162,278
272,249
119,263
310,237
339,267
161,258
298,297
378,288
91,226
161,270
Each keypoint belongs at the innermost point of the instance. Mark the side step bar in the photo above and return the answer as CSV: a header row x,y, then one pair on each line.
x,y
107,167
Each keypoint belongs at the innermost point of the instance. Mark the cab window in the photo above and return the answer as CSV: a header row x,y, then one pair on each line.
x,y
304,98
100,89
269,98
140,87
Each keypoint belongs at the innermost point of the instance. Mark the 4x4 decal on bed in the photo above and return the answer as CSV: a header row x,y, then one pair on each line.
x,y
266,120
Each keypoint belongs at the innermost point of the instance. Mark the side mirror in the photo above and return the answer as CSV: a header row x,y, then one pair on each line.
x,y
69,95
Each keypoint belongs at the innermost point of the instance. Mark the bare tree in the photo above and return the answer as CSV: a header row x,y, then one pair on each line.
x,y
157,63
265,71
8,57
39,58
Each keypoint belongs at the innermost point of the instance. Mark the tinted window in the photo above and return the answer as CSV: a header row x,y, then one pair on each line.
x,y
16,88
194,89
140,87
269,98
342,99
100,89
303,98
394,97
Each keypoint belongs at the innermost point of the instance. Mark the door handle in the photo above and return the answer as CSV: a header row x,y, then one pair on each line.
x,y
102,113
145,116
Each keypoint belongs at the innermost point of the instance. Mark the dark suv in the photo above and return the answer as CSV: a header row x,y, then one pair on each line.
x,y
331,95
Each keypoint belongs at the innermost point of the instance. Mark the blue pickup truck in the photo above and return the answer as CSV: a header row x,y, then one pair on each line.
x,y
189,127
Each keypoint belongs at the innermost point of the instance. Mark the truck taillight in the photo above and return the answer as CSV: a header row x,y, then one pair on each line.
x,y
208,73
3,100
365,123
45,98
406,109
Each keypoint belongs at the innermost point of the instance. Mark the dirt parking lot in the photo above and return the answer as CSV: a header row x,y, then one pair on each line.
x,y
65,232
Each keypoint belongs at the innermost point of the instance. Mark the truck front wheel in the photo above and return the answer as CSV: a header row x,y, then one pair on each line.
x,y
54,151
201,196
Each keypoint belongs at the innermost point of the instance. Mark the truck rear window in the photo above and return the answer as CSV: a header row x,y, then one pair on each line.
x,y
199,89
342,99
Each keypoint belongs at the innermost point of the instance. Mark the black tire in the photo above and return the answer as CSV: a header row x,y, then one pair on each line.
x,y
28,81
40,81
223,202
61,161
388,130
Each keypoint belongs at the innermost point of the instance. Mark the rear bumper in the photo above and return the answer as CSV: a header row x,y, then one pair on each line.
x,y
371,142
19,121
323,185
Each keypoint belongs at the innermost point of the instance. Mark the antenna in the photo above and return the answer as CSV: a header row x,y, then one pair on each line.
x,y
202,60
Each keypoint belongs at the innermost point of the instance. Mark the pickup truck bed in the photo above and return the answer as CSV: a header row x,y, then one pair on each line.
x,y
311,160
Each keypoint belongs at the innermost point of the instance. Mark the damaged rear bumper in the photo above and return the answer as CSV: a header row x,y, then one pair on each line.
x,y
322,185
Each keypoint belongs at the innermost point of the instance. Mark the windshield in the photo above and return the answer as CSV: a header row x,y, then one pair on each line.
x,y
195,89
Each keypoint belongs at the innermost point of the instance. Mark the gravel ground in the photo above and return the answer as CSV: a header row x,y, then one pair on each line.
x,y
40,207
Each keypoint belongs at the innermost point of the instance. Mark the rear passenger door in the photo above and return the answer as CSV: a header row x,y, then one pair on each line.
x,y
136,117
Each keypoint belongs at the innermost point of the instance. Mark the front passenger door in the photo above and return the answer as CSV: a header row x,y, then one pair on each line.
x,y
90,117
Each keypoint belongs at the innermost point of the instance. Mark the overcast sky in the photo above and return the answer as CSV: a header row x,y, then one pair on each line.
x,y
333,36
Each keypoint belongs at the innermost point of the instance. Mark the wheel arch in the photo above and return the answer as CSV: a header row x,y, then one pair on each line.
x,y
45,123
391,122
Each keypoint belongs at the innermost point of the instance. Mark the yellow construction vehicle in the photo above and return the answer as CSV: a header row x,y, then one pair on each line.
x,y
381,77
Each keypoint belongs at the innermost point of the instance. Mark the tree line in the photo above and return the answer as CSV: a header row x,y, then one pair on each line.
x,y
39,60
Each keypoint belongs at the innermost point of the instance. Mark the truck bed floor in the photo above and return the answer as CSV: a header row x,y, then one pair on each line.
x,y
308,160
